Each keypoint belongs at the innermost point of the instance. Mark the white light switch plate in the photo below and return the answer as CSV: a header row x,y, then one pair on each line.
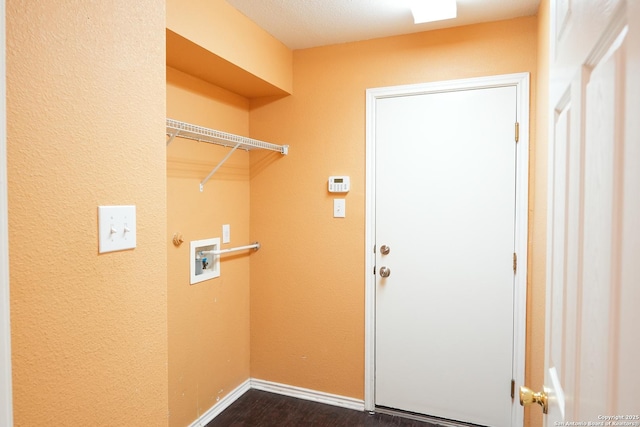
x,y
339,208
116,228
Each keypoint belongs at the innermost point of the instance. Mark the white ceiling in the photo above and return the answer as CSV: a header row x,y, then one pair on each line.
x,y
301,24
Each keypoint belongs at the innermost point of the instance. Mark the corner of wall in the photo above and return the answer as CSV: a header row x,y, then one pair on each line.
x,y
208,321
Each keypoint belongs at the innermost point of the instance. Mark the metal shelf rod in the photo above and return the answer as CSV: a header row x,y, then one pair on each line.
x,y
255,246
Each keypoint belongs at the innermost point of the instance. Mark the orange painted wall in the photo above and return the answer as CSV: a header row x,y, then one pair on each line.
x,y
538,222
85,113
307,284
208,321
223,30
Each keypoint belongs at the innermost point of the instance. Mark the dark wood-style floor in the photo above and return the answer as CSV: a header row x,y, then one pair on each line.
x,y
262,409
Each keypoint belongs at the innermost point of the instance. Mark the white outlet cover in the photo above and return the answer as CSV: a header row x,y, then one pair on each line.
x,y
116,228
339,208
226,233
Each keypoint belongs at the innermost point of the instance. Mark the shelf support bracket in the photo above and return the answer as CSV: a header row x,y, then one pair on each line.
x,y
204,181
171,137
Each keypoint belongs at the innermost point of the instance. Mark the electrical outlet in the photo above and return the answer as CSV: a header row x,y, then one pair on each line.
x,y
226,233
339,208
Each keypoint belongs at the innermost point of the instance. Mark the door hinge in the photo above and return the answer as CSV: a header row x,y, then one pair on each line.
x,y
513,389
517,132
515,263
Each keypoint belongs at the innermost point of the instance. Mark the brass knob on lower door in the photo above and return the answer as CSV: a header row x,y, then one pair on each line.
x,y
528,396
385,271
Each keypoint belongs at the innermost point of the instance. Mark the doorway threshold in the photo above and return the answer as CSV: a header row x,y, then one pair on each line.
x,y
440,422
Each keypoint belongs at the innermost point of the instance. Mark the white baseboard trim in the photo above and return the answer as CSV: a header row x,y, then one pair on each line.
x,y
277,388
221,405
307,394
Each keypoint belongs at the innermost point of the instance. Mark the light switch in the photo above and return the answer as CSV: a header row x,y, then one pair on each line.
x,y
116,228
226,233
339,208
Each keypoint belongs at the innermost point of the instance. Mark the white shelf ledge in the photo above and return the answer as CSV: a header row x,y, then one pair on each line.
x,y
179,129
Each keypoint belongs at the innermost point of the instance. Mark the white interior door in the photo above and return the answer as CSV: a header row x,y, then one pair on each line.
x,y
445,200
594,214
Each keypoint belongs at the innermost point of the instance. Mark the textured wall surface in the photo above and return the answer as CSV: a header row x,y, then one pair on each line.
x,y
208,321
307,290
86,109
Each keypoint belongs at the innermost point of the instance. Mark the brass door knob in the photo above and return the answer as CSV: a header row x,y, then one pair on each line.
x,y
385,271
528,396
384,250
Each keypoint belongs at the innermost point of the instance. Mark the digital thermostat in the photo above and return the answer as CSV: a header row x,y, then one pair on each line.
x,y
339,184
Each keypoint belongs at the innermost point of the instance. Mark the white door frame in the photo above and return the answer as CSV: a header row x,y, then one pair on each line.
x,y
521,82
6,405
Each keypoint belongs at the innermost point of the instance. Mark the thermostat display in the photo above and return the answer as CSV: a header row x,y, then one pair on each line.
x,y
339,184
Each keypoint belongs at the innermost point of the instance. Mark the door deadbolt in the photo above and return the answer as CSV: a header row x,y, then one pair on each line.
x,y
385,271
384,249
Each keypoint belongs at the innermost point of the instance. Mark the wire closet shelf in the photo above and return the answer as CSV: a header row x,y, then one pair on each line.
x,y
180,129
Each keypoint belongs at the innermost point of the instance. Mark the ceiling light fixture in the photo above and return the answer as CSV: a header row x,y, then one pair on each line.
x,y
433,10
